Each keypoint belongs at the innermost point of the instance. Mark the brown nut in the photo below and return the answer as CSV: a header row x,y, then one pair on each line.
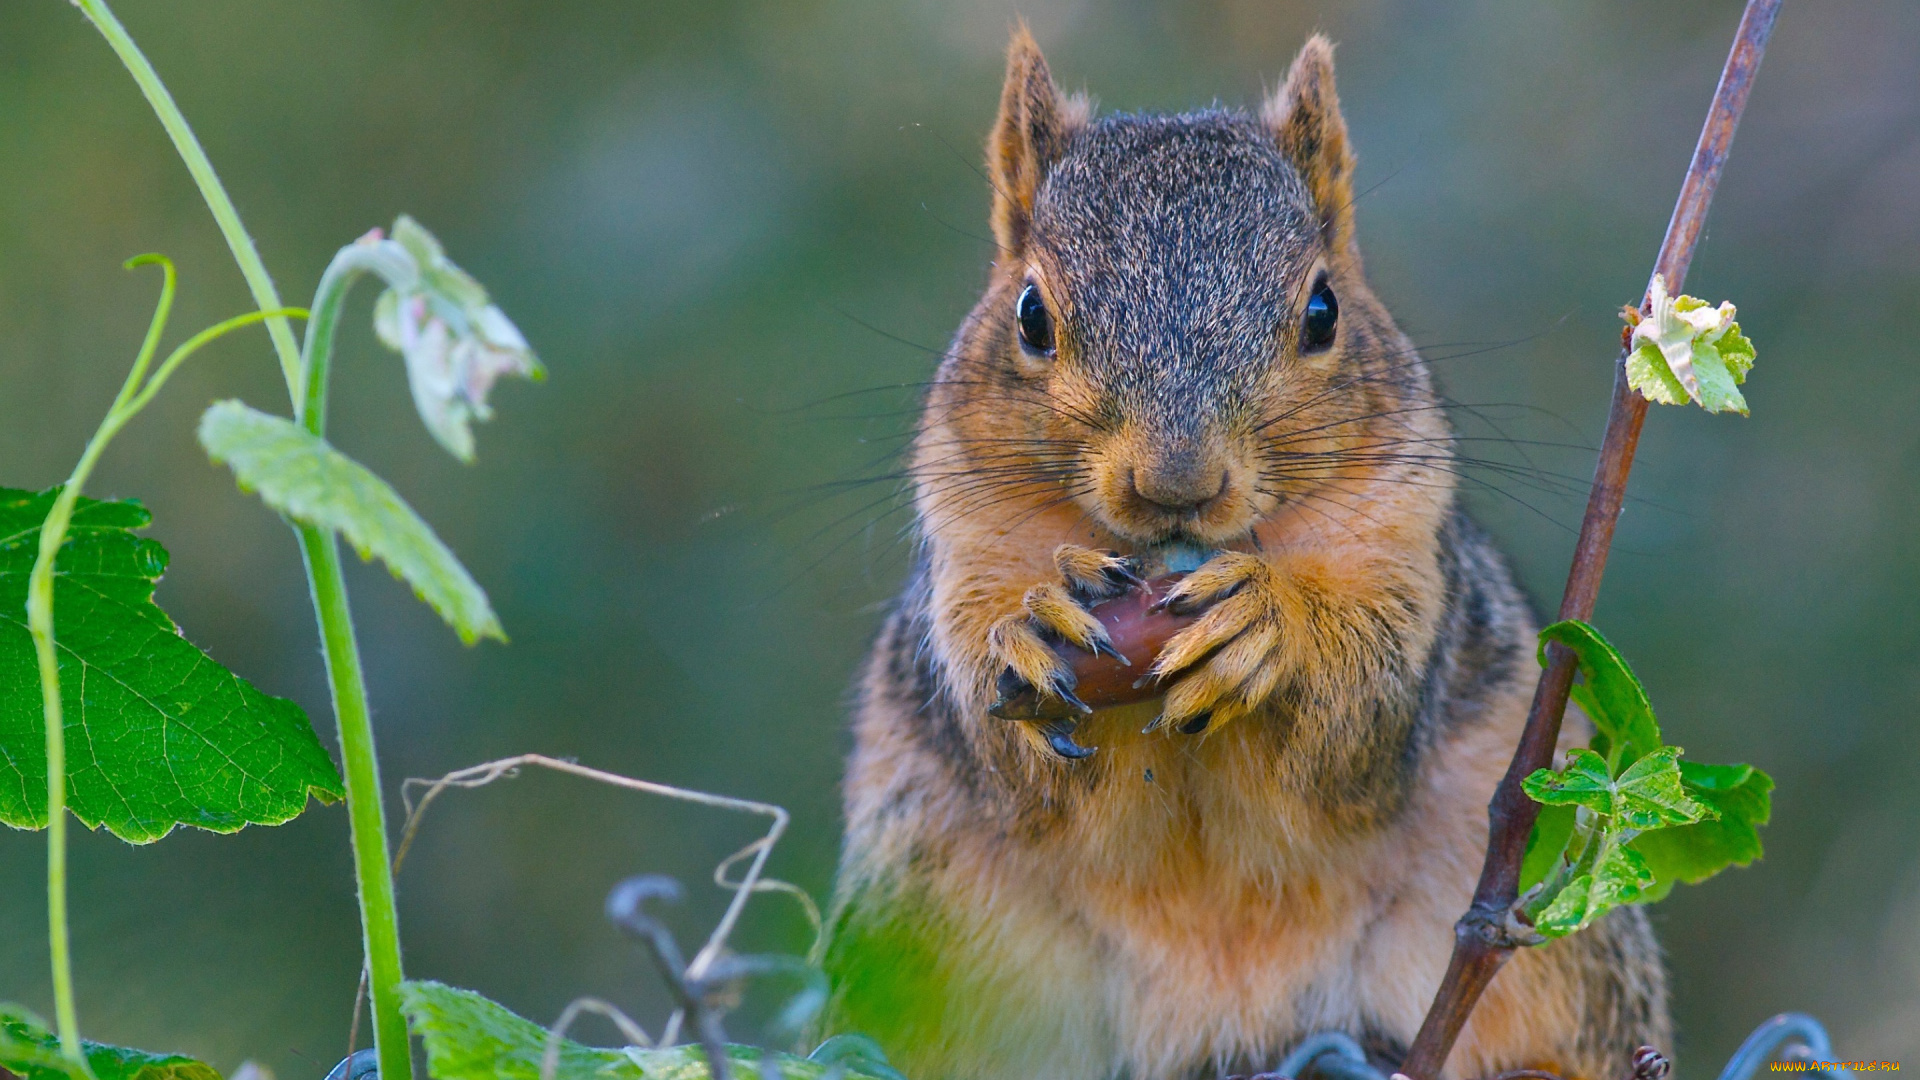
x,y
1138,634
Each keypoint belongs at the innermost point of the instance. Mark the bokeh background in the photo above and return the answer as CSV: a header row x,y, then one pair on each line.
x,y
738,231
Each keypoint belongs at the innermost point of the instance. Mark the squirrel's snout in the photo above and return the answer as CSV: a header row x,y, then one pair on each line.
x,y
1184,488
1148,493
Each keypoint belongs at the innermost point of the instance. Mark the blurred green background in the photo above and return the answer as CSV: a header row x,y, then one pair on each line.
x,y
738,231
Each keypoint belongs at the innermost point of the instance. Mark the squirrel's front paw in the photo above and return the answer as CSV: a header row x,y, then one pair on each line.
x,y
1227,662
1034,676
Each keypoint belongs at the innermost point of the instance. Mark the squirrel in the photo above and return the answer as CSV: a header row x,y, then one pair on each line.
x,y
1177,352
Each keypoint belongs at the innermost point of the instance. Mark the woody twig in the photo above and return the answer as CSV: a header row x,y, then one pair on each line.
x,y
1482,938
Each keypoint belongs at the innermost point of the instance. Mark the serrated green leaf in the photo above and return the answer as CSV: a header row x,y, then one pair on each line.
x,y
305,478
1584,782
1650,795
1741,797
1740,791
1546,844
1718,387
31,1052
1612,696
1647,372
1664,819
471,1038
1568,911
1647,795
1737,352
158,734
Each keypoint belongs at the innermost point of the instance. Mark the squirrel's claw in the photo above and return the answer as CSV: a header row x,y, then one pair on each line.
x,y
1018,700
1056,610
1066,694
1059,736
1015,698
1093,575
1105,647
1036,683
1197,725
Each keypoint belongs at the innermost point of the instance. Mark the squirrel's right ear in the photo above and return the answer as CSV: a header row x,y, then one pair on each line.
x,y
1035,124
1304,115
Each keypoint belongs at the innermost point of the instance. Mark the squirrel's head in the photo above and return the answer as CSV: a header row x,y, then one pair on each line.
x,y
1176,336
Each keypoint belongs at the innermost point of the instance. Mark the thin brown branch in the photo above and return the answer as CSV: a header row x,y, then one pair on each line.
x,y
1482,941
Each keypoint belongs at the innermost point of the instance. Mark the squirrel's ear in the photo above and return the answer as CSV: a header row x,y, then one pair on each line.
x,y
1036,121
1304,115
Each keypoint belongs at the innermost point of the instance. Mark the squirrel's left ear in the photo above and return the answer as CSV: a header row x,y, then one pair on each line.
x,y
1304,115
1031,134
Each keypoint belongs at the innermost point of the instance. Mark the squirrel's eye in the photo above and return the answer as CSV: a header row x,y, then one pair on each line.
x,y
1036,325
1322,314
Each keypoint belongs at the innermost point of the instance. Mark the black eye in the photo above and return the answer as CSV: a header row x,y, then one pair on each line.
x,y
1036,325
1322,314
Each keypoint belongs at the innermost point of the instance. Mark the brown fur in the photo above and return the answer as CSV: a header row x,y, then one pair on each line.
x,y
1181,905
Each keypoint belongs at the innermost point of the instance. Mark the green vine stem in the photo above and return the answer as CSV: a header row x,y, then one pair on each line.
x,y
134,395
316,358
378,916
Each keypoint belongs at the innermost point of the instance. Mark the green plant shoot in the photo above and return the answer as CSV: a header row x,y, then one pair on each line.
x,y
1626,818
1686,350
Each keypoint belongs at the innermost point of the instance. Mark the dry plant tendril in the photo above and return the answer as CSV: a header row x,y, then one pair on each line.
x,y
752,881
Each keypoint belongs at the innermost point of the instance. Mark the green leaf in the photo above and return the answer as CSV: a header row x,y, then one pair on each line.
x,y
1612,696
31,1052
1741,796
1584,782
1650,795
1648,373
1620,877
1675,820
1737,352
1647,795
1546,843
1718,383
158,734
300,475
471,1038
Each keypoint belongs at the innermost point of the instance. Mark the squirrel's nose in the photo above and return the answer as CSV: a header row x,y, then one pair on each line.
x,y
1179,487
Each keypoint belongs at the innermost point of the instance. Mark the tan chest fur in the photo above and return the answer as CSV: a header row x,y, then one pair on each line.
x,y
1197,918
